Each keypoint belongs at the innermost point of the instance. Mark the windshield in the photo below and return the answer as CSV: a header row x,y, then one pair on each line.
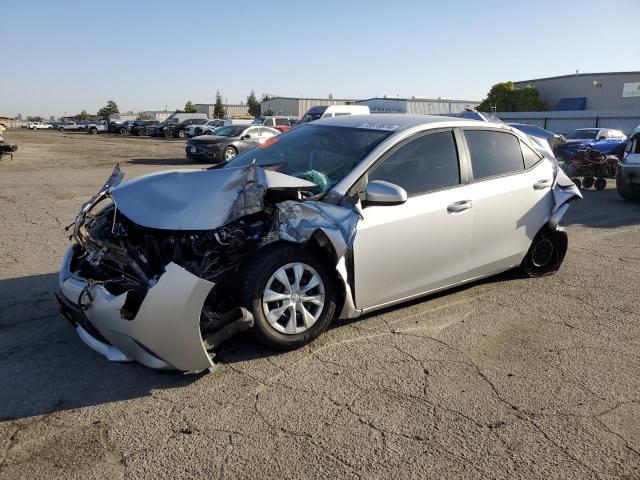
x,y
229,131
583,134
310,117
258,121
318,153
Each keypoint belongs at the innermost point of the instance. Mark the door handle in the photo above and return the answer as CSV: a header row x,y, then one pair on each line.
x,y
460,206
540,184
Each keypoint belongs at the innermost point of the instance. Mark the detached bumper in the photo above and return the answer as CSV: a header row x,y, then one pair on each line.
x,y
165,332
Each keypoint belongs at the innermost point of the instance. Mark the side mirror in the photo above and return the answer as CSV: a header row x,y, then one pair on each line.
x,y
245,137
384,193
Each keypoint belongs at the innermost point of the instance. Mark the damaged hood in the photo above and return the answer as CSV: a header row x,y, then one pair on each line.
x,y
198,199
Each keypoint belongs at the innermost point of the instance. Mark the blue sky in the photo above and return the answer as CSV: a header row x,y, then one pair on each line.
x,y
65,56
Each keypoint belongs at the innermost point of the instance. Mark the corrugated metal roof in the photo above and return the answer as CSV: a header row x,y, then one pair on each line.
x,y
579,75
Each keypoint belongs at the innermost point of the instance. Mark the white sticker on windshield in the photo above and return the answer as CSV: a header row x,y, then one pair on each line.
x,y
380,126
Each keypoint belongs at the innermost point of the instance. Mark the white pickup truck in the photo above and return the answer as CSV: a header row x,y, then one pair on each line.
x,y
97,127
71,126
39,126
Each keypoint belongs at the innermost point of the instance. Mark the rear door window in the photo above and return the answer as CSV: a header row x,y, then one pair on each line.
x,y
493,153
429,162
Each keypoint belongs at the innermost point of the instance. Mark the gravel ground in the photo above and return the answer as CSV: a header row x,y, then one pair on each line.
x,y
505,378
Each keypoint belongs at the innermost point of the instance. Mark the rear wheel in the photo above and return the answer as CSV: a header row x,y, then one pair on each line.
x,y
291,294
182,134
600,183
93,131
577,182
546,253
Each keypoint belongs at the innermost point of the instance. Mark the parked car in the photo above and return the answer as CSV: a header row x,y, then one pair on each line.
x,y
176,124
208,130
628,174
40,126
101,126
324,111
280,123
535,131
338,217
70,126
139,127
604,140
196,129
226,142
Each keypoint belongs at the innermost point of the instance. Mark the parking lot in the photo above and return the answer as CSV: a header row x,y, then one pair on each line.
x,y
505,378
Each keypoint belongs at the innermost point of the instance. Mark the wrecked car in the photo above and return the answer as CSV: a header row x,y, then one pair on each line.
x,y
332,219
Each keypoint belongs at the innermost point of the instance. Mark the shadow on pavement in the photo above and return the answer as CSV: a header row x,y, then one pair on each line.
x,y
45,367
605,209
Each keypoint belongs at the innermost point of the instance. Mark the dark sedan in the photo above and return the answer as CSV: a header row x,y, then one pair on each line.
x,y
226,142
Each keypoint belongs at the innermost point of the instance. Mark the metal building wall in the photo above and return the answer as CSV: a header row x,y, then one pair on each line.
x,y
416,106
606,97
438,106
296,107
564,122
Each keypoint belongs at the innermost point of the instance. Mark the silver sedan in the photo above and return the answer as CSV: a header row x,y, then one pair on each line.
x,y
332,219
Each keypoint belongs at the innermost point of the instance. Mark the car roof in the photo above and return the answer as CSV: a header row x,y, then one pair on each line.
x,y
398,120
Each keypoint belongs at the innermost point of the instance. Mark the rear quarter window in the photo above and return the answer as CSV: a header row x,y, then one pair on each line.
x,y
493,153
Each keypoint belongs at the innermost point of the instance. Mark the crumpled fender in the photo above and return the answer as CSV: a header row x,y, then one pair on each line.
x,y
564,191
167,324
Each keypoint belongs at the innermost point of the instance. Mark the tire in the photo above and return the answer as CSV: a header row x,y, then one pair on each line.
x,y
140,132
182,134
545,254
587,182
228,153
626,190
600,184
576,181
278,330
93,131
168,134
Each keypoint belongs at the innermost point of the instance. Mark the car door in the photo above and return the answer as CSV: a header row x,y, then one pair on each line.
x,y
421,245
251,137
512,199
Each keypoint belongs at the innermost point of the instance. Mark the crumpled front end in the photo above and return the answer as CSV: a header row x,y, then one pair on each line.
x,y
151,275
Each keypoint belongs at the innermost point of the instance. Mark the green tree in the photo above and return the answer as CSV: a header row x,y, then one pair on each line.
x,y
83,115
506,98
109,109
218,109
189,107
266,97
253,104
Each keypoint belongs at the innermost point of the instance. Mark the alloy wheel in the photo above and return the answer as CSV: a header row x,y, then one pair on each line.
x,y
293,298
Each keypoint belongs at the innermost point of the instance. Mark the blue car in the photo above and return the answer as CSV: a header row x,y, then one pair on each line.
x,y
604,140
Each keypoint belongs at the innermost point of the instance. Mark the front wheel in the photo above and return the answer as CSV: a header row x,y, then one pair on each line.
x,y
291,294
182,134
93,131
626,190
229,153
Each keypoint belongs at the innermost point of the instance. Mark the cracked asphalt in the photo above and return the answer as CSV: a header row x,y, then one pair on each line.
x,y
505,378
